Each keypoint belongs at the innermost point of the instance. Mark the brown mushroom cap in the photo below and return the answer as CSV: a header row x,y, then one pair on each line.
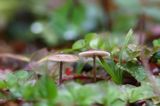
x,y
63,58
14,56
92,53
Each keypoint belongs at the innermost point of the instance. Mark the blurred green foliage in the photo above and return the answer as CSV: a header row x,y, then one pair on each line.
x,y
44,92
66,21
55,21
129,12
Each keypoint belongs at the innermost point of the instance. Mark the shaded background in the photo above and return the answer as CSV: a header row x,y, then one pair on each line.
x,y
28,25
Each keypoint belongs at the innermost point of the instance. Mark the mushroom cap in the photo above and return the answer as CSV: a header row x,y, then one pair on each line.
x,y
14,56
92,53
63,58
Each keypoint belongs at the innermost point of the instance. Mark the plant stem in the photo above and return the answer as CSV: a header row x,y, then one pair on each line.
x,y
60,72
94,68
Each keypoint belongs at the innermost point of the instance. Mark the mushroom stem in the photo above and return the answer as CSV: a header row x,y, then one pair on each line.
x,y
94,68
60,72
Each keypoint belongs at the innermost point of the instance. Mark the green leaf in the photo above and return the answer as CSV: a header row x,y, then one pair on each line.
x,y
82,95
145,91
112,97
126,42
128,37
79,67
2,84
21,75
89,37
111,68
136,70
79,44
156,43
11,80
46,89
88,94
94,43
27,91
15,91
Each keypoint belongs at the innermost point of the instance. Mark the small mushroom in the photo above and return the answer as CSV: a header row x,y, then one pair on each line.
x,y
14,56
62,58
94,54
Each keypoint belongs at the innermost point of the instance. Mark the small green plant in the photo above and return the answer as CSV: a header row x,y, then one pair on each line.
x,y
93,41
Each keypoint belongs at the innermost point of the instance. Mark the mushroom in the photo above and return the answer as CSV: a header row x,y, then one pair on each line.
x,y
14,56
62,58
94,54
